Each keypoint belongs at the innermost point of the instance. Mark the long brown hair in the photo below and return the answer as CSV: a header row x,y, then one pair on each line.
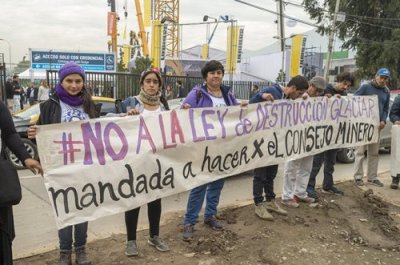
x,y
88,104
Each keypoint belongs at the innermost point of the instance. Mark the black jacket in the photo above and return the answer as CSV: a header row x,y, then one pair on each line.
x,y
11,139
35,93
50,111
394,114
9,90
332,91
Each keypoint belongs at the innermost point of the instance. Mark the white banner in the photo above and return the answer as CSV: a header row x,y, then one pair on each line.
x,y
106,166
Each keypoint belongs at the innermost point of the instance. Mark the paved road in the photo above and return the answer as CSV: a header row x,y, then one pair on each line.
x,y
37,233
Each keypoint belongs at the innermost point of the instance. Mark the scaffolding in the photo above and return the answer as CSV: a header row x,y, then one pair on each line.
x,y
167,11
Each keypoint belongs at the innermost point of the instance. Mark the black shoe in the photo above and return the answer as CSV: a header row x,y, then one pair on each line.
x,y
312,192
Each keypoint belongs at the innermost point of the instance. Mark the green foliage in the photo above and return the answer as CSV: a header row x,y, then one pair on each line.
x,y
372,27
281,76
141,64
22,66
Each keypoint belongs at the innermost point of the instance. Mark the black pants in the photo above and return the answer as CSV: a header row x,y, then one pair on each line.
x,y
5,249
329,159
154,215
263,181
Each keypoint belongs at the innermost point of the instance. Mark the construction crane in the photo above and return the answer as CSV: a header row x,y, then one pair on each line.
x,y
164,10
168,10
142,32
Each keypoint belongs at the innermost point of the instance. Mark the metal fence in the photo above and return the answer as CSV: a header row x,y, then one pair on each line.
x,y
123,85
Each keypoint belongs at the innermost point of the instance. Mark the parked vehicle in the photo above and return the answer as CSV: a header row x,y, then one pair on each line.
x,y
29,116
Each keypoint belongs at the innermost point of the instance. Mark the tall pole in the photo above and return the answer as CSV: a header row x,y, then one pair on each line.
x,y
330,44
142,32
281,32
9,51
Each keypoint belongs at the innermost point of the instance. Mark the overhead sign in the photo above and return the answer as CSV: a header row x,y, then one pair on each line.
x,y
90,61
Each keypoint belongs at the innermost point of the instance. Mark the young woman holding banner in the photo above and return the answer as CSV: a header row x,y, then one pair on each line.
x,y
149,100
211,94
71,102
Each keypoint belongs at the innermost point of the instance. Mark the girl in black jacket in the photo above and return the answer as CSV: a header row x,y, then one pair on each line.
x,y
71,102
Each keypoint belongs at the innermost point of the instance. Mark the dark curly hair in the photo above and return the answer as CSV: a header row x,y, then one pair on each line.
x,y
345,76
212,66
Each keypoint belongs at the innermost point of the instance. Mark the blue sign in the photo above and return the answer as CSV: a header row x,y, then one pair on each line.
x,y
49,60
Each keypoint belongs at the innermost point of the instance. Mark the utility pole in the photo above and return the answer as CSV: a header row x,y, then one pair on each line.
x,y
281,34
330,44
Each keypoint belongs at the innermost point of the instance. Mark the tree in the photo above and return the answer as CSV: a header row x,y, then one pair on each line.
x,y
141,64
22,66
372,27
281,76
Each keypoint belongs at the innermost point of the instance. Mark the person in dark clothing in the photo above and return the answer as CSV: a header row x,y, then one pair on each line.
x,y
32,94
11,139
264,176
71,102
394,117
254,90
10,94
180,91
14,91
343,82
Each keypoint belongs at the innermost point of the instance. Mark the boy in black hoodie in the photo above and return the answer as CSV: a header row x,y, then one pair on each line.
x,y
343,82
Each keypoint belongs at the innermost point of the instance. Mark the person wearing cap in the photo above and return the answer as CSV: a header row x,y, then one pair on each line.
x,y
263,181
297,172
149,100
378,86
344,81
71,102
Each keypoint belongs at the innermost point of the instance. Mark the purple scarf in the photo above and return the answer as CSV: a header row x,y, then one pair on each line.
x,y
67,98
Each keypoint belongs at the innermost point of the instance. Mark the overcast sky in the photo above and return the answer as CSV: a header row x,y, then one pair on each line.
x,y
80,25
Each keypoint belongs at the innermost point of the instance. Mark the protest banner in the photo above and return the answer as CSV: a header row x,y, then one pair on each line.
x,y
106,166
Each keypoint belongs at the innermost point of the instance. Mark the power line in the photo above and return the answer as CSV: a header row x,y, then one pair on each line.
x,y
376,18
275,13
372,25
383,43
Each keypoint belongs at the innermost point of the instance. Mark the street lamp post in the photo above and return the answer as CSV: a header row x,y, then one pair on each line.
x,y
9,50
224,19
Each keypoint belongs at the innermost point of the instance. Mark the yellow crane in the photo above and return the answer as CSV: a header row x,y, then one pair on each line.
x,y
142,32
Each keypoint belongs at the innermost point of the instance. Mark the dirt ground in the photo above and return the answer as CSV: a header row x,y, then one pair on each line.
x,y
359,228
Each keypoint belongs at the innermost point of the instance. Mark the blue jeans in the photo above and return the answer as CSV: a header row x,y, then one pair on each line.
x,y
80,234
196,199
